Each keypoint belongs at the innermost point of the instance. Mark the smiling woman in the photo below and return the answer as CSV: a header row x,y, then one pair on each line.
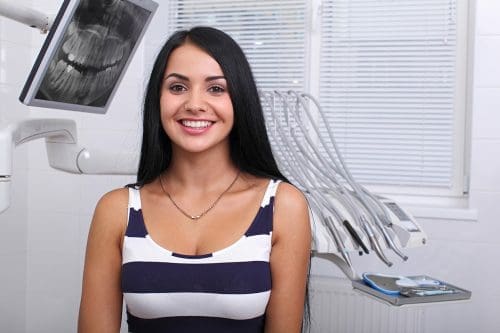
x,y
196,108
212,237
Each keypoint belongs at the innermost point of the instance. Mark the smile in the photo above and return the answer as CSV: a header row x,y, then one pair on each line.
x,y
196,124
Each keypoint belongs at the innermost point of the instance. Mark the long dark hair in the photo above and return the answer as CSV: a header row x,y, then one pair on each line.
x,y
250,149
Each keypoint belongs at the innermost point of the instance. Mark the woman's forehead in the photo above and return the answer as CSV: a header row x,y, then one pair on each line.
x,y
190,60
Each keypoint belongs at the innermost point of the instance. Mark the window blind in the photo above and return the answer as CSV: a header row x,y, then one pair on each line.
x,y
272,34
387,83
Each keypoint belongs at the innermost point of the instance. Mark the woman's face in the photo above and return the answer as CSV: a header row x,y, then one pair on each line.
x,y
196,109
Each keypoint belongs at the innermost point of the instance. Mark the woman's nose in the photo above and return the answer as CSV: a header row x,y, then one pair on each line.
x,y
195,102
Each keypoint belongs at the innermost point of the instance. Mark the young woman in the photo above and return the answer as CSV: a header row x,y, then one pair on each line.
x,y
211,238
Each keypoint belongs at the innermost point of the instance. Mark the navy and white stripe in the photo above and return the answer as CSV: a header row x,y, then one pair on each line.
x,y
224,291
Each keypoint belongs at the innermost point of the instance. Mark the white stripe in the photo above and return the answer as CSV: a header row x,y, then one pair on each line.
x,y
134,200
253,248
270,192
231,306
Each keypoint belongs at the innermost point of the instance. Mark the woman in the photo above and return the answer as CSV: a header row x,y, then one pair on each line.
x,y
209,239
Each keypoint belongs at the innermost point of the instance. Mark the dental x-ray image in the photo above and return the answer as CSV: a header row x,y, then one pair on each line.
x,y
95,48
82,62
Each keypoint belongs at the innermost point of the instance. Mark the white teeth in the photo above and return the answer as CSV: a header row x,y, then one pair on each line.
x,y
196,124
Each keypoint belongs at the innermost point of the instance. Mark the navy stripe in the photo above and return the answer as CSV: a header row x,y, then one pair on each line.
x,y
194,325
263,223
223,278
136,227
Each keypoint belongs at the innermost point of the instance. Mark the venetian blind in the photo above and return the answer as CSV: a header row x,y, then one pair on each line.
x,y
271,33
387,83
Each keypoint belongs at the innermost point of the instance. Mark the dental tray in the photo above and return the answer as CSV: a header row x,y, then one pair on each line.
x,y
413,297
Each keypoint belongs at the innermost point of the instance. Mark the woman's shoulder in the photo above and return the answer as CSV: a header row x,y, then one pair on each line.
x,y
286,193
290,196
111,209
114,199
291,213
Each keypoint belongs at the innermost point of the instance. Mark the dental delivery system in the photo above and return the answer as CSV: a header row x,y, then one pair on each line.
x,y
346,217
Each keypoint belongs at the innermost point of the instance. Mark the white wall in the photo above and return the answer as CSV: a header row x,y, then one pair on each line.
x,y
15,60
42,237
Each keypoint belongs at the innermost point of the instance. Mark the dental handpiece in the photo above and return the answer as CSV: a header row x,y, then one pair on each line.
x,y
329,224
374,242
355,237
342,249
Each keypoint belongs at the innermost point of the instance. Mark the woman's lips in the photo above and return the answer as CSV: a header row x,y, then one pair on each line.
x,y
195,126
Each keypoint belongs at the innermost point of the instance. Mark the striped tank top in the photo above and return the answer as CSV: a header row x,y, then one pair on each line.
x,y
224,291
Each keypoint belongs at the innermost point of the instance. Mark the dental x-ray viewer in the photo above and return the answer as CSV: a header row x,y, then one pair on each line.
x,y
94,50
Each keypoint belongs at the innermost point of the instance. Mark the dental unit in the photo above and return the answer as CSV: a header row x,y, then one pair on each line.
x,y
350,216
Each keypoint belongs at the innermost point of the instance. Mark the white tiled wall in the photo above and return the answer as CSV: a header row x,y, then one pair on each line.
x,y
14,63
43,233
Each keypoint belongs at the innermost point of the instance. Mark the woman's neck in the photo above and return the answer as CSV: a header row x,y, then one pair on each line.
x,y
200,171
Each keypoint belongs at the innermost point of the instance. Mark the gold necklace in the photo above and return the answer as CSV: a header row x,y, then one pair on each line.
x,y
199,216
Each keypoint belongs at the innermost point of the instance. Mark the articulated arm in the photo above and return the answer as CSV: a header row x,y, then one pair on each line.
x,y
28,16
63,152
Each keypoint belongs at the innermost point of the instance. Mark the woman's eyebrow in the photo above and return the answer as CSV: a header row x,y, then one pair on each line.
x,y
185,78
213,78
179,76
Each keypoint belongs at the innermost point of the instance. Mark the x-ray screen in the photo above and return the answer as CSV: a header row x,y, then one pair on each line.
x,y
86,53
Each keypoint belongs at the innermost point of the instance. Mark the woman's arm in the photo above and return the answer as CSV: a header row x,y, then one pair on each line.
x,y
289,261
101,302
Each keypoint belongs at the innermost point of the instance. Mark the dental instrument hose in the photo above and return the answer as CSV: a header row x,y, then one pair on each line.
x,y
343,170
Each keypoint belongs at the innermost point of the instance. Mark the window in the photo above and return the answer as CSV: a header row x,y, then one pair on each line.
x,y
389,75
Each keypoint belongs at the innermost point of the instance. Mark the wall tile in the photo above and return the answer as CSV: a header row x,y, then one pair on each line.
x,y
15,32
13,60
486,64
487,11
486,123
53,272
57,312
37,156
12,311
54,191
13,271
485,165
13,222
10,108
52,232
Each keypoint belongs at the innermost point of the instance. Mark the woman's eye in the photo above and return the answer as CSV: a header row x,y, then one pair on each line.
x,y
216,89
176,88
